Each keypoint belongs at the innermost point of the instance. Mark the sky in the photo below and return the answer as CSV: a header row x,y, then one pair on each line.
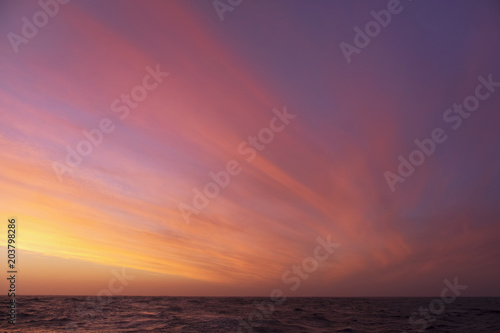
x,y
339,126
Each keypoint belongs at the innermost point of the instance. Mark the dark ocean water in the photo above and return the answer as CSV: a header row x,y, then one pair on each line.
x,y
230,314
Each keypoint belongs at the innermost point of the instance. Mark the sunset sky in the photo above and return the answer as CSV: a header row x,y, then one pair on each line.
x,y
321,175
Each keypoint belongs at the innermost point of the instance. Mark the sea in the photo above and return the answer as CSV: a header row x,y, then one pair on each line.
x,y
250,314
